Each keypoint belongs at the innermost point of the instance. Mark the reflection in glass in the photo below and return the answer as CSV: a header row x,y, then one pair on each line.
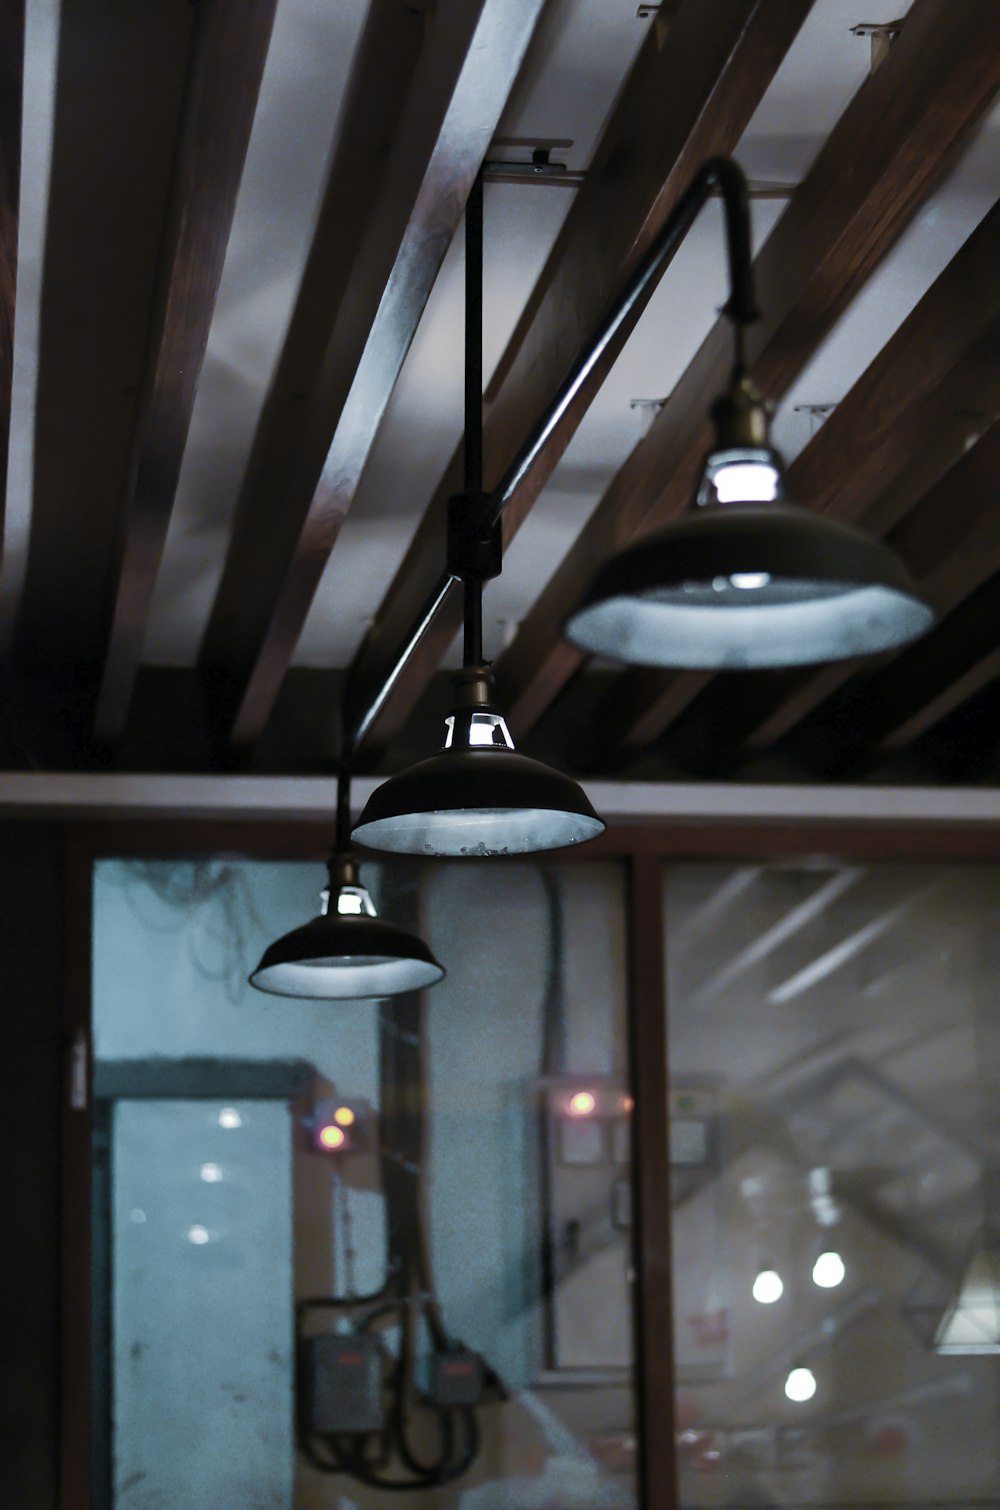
x,y
492,1122
834,1041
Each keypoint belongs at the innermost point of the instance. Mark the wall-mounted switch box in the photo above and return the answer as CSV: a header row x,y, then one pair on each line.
x,y
341,1383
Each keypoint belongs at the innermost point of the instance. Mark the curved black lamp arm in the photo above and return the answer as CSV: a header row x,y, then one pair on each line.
x,y
724,174
717,174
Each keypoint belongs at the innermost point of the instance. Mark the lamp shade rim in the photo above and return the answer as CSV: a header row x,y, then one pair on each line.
x,y
480,801
819,590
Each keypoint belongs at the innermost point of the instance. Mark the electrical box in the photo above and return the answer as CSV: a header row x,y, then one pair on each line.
x,y
455,1378
341,1383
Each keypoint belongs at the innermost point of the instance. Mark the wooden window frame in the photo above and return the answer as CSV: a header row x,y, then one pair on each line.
x,y
645,849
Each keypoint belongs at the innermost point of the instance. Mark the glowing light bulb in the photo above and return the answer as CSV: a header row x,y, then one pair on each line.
x,y
800,1384
349,904
230,1117
344,1116
829,1271
582,1103
748,580
746,482
332,1137
768,1287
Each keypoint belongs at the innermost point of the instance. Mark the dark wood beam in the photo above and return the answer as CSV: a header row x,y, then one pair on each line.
x,y
381,77
471,58
230,48
683,101
950,541
121,83
953,542
890,148
11,91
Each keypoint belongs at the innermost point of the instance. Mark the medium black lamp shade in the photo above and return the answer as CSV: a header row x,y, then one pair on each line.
x,y
739,585
477,796
346,953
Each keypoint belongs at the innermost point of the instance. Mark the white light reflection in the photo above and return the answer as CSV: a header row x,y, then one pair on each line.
x,y
829,1271
198,1235
768,1287
230,1117
211,1173
800,1385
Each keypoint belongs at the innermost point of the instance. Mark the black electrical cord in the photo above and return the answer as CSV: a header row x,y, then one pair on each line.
x,y
406,1298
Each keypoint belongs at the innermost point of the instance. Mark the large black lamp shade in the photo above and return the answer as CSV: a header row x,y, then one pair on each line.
x,y
347,953
477,796
746,580
739,586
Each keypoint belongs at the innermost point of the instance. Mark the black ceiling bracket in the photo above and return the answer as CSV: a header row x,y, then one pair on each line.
x,y
474,545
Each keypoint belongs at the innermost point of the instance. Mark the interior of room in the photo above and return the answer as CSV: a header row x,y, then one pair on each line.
x,y
499,670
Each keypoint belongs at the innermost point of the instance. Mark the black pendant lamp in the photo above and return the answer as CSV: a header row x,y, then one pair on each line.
x,y
477,795
747,579
347,952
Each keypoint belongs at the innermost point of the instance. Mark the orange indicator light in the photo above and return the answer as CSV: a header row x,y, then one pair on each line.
x,y
332,1137
582,1103
344,1117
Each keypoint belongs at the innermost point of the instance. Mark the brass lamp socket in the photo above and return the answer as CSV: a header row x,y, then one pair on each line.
x,y
741,418
474,687
342,868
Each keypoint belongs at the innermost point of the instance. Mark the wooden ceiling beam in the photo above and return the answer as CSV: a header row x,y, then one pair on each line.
x,y
890,148
953,543
686,99
381,74
229,50
288,526
11,93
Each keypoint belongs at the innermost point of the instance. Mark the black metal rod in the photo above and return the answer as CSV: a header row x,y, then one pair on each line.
x,y
472,588
474,340
718,174
342,834
472,642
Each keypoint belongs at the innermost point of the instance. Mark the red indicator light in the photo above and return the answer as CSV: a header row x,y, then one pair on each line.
x,y
332,1137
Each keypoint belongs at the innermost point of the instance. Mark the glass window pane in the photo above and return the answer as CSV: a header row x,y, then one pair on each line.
x,y
834,1047
471,1229
201,1318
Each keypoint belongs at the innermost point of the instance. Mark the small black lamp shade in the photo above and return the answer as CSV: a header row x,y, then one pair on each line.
x,y
477,796
744,580
346,953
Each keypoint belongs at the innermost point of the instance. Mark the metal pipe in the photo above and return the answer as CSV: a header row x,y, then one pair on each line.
x,y
472,653
718,174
